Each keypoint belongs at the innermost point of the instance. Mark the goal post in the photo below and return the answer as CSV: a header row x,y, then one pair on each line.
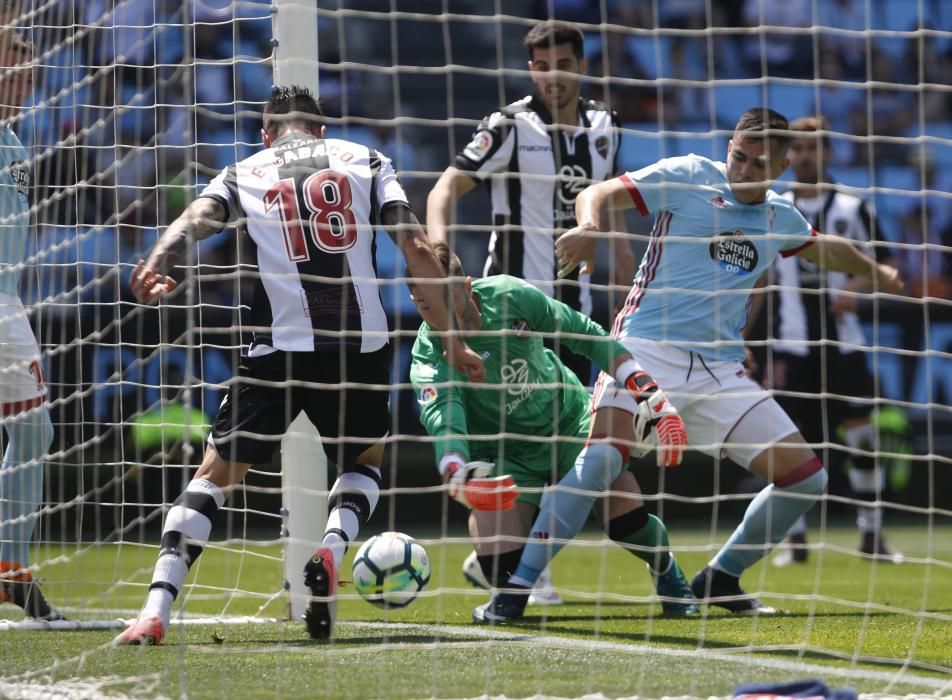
x,y
303,463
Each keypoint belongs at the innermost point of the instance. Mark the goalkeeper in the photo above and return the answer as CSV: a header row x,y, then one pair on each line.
x,y
499,443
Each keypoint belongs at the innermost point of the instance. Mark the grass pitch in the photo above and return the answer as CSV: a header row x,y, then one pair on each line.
x,y
878,627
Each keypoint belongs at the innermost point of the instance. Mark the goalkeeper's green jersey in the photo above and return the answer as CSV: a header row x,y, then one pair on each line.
x,y
528,392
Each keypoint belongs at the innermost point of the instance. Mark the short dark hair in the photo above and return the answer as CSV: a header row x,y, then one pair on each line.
x,y
811,125
764,123
553,32
449,263
448,260
292,105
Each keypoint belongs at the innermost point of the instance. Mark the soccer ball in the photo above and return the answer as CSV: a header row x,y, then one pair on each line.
x,y
390,569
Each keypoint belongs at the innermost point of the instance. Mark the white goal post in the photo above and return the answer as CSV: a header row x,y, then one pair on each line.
x,y
303,463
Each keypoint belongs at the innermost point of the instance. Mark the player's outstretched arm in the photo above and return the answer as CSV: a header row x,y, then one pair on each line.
x,y
201,218
835,253
577,246
452,185
422,264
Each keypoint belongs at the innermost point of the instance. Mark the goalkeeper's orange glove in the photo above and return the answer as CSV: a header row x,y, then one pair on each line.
x,y
469,483
655,414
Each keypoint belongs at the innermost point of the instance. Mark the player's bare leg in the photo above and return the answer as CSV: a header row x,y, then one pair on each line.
x,y
184,535
352,500
796,478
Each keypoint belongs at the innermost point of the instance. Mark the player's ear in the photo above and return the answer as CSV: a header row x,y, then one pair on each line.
x,y
266,138
583,65
468,285
323,131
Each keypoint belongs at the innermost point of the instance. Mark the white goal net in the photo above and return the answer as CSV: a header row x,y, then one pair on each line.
x,y
138,104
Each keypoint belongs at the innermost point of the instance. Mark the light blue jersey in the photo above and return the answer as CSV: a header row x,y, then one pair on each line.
x,y
14,209
706,252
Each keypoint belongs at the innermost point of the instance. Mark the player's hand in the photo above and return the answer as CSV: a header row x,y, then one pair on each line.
x,y
148,285
657,414
465,360
574,247
888,279
470,484
843,304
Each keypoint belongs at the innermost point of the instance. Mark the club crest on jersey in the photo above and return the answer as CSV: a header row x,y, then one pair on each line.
x,y
841,226
427,395
734,252
479,146
718,202
20,174
521,328
601,145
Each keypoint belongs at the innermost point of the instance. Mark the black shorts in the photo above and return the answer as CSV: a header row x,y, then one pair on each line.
x,y
845,376
270,391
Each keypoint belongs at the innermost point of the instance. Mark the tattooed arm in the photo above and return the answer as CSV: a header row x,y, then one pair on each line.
x,y
202,218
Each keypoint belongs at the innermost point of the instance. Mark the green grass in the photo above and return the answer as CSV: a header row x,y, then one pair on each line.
x,y
888,626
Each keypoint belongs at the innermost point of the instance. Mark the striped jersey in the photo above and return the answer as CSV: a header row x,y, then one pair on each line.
x,y
535,170
14,209
310,207
805,291
706,252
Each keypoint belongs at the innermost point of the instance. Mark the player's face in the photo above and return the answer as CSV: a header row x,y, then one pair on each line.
x,y
462,298
16,81
751,166
557,73
805,159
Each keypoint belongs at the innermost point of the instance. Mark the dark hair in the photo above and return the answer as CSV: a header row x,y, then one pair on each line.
x,y
449,264
551,33
811,125
292,105
448,260
760,122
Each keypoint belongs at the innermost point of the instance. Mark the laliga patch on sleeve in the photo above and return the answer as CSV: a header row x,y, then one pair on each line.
x,y
479,146
427,395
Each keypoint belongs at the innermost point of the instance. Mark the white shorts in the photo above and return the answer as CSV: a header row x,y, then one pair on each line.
x,y
712,397
21,375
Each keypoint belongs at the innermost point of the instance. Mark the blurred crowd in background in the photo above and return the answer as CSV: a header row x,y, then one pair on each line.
x,y
140,102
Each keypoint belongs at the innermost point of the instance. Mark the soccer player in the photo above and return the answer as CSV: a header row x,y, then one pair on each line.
x,y
536,155
817,334
717,228
526,427
309,206
27,428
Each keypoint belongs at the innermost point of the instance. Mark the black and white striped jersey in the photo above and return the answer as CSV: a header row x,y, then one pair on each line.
x,y
535,171
803,313
309,207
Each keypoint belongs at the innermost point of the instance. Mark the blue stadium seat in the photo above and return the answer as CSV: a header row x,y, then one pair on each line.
x,y
893,205
713,146
652,53
896,15
641,145
732,100
792,101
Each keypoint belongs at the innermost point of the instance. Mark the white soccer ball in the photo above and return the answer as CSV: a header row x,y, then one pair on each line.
x,y
390,569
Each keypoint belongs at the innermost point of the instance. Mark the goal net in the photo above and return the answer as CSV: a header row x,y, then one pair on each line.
x,y
137,104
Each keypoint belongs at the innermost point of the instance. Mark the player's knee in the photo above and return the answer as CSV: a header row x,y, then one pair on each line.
x,y
809,478
627,524
600,464
497,568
